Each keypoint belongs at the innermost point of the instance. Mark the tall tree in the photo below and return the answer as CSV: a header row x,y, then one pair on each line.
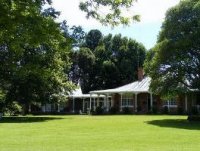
x,y
35,49
115,60
175,60
93,39
34,53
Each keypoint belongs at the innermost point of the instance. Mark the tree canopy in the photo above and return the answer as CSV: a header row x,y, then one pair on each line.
x,y
174,62
34,53
109,12
34,48
106,61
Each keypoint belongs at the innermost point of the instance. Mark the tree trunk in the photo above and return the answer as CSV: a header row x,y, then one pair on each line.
x,y
24,109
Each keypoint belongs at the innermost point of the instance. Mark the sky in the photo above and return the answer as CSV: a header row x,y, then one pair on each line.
x,y
152,13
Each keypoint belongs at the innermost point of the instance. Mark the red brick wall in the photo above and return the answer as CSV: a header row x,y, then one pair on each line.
x,y
116,98
143,102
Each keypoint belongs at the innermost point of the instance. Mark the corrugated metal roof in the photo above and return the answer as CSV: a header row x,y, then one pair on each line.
x,y
77,93
135,87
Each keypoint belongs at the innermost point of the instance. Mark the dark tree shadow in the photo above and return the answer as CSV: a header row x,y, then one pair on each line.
x,y
27,119
176,123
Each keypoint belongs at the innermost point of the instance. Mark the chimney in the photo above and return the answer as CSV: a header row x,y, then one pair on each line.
x,y
140,74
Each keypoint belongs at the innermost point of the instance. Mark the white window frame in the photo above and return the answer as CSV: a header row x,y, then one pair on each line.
x,y
172,103
127,100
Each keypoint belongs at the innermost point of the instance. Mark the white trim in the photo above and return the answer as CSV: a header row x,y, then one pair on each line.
x,y
170,104
136,102
107,103
151,101
90,102
94,104
127,101
112,102
121,101
98,100
129,106
104,102
83,105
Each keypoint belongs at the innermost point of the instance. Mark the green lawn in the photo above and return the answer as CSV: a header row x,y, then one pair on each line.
x,y
99,133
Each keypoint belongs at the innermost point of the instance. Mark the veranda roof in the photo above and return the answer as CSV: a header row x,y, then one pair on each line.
x,y
77,93
135,87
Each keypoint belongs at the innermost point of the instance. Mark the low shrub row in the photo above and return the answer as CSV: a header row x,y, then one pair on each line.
x,y
154,110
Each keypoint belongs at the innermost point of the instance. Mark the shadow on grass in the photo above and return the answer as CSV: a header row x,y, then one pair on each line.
x,y
27,119
176,123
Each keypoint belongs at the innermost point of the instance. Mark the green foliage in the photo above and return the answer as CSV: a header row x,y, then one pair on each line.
x,y
174,67
92,39
113,110
165,110
106,61
154,109
86,58
109,12
127,110
13,109
34,52
2,100
99,110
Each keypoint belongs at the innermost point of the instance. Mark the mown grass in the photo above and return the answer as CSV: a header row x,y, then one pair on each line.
x,y
99,133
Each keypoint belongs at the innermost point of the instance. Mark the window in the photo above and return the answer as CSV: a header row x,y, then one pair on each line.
x,y
170,103
127,100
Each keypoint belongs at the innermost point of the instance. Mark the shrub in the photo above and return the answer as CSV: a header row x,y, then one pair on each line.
x,y
66,109
1,115
99,110
165,110
180,111
113,110
154,110
35,108
194,110
14,109
1,107
139,108
91,111
2,101
126,110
